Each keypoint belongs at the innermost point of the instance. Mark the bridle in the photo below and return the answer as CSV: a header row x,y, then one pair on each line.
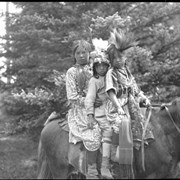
x,y
146,123
168,112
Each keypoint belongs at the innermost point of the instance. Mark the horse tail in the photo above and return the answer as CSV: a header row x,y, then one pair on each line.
x,y
43,168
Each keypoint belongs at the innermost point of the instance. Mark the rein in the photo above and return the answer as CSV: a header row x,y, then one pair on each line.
x,y
146,123
143,135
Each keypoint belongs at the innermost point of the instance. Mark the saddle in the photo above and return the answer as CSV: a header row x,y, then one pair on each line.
x,y
62,122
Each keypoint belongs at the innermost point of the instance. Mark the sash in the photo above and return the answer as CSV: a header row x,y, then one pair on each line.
x,y
125,141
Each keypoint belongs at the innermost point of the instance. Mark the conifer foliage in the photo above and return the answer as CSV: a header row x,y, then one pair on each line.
x,y
40,41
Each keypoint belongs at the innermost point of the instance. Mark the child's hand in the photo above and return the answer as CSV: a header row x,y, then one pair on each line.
x,y
98,102
91,121
145,102
148,102
120,111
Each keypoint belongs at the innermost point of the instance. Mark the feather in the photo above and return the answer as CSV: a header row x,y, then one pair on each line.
x,y
99,44
122,39
99,54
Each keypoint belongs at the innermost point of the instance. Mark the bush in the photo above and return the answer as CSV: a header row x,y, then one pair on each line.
x,y
31,107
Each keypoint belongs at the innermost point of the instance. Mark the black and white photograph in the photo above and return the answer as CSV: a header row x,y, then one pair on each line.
x,y
89,90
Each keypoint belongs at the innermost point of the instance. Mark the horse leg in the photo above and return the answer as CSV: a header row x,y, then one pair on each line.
x,y
59,169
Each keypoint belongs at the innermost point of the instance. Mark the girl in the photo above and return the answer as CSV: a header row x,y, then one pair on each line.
x,y
77,79
97,115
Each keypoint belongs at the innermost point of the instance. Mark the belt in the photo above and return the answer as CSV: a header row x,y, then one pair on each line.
x,y
123,91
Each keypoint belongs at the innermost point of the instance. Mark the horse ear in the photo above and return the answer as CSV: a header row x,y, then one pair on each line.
x,y
174,103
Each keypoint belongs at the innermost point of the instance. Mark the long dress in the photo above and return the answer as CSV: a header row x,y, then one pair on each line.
x,y
77,79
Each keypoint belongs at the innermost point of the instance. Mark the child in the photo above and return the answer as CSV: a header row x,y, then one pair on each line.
x,y
77,79
96,88
123,91
120,83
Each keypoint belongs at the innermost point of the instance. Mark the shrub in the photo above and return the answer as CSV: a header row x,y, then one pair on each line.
x,y
31,107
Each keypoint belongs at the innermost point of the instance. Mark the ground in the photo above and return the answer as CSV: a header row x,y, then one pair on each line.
x,y
18,154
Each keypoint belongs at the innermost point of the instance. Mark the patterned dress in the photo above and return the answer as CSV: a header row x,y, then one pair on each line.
x,y
128,94
77,79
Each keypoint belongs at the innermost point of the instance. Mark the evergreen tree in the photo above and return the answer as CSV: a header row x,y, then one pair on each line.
x,y
41,35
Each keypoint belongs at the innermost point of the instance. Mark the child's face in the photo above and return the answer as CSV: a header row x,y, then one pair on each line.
x,y
81,56
101,68
119,60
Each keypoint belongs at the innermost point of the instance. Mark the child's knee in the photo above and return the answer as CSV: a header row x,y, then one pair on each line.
x,y
107,136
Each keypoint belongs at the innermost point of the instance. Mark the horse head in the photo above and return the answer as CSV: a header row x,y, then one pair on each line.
x,y
170,113
162,155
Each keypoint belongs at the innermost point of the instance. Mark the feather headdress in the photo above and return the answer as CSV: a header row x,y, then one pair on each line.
x,y
122,39
99,44
99,54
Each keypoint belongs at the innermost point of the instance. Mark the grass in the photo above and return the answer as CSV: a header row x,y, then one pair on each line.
x,y
18,154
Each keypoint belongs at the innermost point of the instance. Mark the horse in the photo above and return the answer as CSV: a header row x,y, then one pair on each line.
x,y
53,151
161,156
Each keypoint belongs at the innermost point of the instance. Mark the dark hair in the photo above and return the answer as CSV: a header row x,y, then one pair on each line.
x,y
95,74
78,43
111,51
128,70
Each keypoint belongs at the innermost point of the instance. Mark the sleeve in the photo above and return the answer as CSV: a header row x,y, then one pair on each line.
x,y
71,88
137,91
110,84
91,96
